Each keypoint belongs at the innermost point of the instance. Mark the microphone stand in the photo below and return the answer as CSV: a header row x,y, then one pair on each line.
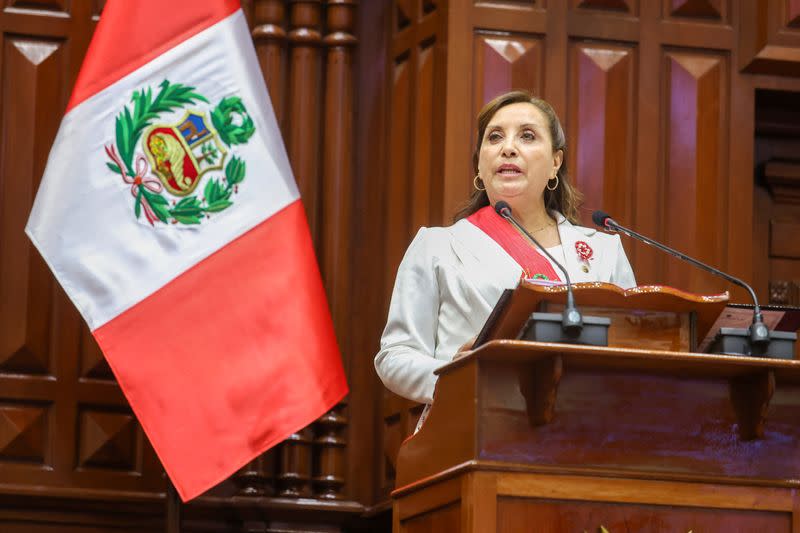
x,y
756,340
572,321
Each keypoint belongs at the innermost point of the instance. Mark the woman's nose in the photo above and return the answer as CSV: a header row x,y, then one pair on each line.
x,y
509,147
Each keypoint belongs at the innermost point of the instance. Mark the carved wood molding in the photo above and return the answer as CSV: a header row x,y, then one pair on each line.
x,y
769,39
784,292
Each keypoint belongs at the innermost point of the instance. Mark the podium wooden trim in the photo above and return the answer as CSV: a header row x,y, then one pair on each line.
x,y
692,440
649,316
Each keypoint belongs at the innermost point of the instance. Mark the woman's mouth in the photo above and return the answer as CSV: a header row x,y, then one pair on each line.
x,y
509,170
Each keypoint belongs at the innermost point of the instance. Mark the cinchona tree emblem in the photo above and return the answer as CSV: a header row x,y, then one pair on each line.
x,y
164,163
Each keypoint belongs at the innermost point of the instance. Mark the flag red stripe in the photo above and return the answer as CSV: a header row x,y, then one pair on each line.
x,y
232,356
130,34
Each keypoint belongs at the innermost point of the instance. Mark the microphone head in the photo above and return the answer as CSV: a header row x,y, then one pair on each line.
x,y
600,218
501,206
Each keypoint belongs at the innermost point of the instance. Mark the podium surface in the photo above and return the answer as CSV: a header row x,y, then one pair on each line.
x,y
526,436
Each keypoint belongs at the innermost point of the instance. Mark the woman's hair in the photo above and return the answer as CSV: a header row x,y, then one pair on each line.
x,y
566,198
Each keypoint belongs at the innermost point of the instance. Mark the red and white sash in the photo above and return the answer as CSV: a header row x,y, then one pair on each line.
x,y
533,263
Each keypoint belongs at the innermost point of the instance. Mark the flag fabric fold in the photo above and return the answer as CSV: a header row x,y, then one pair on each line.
x,y
169,214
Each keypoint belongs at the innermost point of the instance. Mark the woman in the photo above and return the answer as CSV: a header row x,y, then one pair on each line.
x,y
451,278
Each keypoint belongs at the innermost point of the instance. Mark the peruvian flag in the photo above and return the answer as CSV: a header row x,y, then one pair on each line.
x,y
169,214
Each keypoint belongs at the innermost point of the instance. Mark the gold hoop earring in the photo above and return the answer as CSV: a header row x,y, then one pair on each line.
x,y
553,187
475,182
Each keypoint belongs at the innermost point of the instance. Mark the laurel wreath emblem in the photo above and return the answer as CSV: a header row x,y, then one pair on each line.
x,y
234,126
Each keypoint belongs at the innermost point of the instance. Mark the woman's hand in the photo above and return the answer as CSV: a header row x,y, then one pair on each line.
x,y
465,348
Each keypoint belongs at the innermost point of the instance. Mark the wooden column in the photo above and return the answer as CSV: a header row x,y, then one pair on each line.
x,y
270,41
303,137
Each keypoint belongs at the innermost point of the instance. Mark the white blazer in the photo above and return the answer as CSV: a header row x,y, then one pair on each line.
x,y
448,283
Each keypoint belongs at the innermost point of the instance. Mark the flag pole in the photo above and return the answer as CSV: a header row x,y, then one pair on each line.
x,y
173,509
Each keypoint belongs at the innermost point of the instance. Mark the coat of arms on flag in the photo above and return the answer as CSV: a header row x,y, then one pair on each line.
x,y
180,153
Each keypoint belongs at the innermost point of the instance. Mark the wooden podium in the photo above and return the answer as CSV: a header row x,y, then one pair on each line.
x,y
540,437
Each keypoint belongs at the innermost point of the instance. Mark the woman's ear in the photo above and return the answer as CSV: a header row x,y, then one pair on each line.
x,y
558,158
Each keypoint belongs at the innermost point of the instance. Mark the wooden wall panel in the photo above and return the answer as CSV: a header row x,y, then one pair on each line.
x,y
554,515
792,14
32,73
769,38
708,10
398,227
65,425
621,6
695,162
503,63
424,128
415,184
601,125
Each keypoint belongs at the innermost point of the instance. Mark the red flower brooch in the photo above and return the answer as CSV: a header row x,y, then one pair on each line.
x,y
584,250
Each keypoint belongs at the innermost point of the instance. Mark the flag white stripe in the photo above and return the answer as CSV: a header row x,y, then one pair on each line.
x,y
83,221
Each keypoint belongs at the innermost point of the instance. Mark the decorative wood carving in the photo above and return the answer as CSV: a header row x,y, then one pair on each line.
x,y
257,478
504,63
769,37
92,362
404,14
23,432
711,9
40,5
107,440
600,147
695,161
608,5
294,469
329,448
784,292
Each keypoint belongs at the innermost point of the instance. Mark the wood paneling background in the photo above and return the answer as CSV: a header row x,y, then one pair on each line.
x,y
681,121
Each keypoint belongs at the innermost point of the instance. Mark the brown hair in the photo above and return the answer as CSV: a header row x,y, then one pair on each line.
x,y
566,198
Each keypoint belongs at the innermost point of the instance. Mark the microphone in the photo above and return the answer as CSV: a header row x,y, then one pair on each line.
x,y
758,332
572,320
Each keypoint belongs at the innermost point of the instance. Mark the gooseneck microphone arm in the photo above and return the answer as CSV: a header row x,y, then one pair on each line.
x,y
758,330
572,320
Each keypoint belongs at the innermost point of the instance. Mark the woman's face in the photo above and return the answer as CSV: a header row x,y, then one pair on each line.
x,y
516,158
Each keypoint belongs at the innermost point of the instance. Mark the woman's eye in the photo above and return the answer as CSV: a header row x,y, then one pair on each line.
x,y
495,136
528,135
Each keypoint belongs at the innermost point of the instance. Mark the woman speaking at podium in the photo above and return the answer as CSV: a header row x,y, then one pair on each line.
x,y
450,278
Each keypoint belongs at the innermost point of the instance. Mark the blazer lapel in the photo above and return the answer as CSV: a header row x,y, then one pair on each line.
x,y
487,267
